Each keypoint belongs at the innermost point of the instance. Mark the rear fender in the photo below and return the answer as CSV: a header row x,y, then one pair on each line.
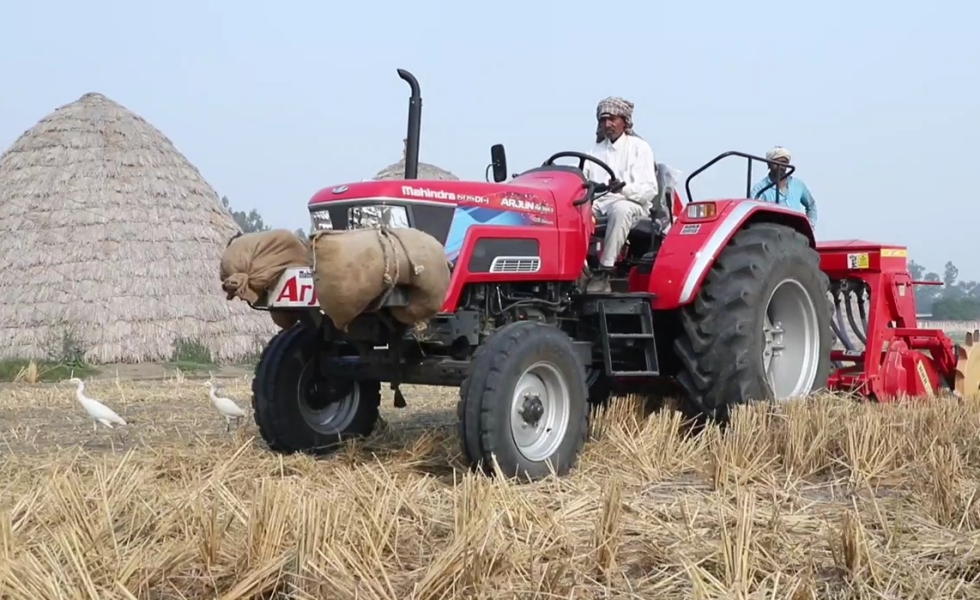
x,y
692,246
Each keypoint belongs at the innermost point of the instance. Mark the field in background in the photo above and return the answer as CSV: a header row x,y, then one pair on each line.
x,y
827,500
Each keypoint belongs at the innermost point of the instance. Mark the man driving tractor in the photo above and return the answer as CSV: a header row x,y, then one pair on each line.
x,y
790,191
630,193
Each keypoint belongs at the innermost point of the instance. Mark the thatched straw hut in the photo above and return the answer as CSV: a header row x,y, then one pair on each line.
x,y
426,171
110,240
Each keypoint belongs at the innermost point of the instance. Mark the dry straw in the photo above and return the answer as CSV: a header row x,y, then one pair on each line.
x,y
829,499
109,234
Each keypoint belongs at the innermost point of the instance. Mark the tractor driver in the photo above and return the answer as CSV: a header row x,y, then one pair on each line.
x,y
630,193
790,191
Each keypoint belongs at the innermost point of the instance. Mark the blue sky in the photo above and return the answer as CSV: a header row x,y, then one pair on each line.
x,y
879,103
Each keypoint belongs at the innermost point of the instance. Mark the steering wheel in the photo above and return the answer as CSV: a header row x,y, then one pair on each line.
x,y
582,157
598,189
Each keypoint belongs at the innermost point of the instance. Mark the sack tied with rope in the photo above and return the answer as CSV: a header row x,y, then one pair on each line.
x,y
355,271
253,262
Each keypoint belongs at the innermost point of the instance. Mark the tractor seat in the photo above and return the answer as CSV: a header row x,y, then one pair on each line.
x,y
645,225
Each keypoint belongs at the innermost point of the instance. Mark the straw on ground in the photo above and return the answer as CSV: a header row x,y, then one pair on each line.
x,y
826,500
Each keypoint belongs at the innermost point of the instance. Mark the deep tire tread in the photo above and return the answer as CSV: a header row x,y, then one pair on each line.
x,y
487,385
717,369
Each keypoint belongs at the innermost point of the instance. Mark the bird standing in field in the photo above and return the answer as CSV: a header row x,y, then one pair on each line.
x,y
226,406
100,413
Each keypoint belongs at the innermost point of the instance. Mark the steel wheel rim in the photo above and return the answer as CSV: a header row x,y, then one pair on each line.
x,y
538,439
791,341
332,419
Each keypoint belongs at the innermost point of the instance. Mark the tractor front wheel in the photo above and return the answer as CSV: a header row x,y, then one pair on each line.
x,y
524,403
299,409
759,329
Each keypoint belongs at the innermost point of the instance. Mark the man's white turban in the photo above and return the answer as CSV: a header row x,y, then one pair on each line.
x,y
777,153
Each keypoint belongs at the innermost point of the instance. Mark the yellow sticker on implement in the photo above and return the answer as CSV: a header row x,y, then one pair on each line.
x,y
858,261
894,252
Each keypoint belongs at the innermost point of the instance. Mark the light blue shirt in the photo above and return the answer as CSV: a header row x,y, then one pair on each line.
x,y
796,196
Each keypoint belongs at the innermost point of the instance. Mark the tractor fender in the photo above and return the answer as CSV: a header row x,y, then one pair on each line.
x,y
691,246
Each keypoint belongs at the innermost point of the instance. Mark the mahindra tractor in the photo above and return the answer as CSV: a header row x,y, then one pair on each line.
x,y
714,303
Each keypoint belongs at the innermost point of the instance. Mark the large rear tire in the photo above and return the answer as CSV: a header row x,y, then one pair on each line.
x,y
759,328
524,403
299,410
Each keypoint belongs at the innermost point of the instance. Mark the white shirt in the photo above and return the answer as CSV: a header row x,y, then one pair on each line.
x,y
631,159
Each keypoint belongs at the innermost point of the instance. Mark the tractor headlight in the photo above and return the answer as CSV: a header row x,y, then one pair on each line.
x,y
701,210
320,221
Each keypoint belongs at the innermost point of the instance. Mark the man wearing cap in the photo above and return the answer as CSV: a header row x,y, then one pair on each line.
x,y
789,191
630,193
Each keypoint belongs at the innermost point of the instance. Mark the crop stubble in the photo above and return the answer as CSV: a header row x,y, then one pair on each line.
x,y
828,499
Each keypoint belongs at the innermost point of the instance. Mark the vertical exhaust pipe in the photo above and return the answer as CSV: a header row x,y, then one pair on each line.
x,y
414,126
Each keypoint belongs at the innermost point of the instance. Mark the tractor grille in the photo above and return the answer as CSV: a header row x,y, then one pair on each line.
x,y
515,264
364,217
432,218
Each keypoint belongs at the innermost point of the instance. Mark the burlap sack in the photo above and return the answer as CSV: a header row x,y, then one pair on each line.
x,y
252,263
354,270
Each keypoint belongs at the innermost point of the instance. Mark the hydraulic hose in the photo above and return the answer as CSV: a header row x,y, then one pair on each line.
x,y
858,331
840,329
862,309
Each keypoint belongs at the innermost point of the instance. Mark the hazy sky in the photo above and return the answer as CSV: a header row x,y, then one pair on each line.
x,y
879,102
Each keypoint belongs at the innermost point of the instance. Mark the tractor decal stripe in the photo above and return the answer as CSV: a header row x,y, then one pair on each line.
x,y
467,216
713,245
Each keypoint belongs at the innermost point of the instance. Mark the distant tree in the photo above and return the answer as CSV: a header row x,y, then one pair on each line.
x,y
248,222
925,295
970,288
954,300
916,270
956,309
950,272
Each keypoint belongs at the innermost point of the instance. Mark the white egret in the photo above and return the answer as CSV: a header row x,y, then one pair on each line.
x,y
226,406
100,413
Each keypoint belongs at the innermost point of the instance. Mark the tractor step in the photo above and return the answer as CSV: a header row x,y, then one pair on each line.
x,y
636,373
625,323
631,336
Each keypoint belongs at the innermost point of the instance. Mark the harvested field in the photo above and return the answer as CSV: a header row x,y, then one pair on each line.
x,y
829,499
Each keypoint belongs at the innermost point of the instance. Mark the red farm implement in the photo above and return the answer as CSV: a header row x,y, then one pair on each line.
x,y
885,355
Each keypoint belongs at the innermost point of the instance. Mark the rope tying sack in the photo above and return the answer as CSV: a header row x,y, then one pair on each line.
x,y
388,248
357,271
389,252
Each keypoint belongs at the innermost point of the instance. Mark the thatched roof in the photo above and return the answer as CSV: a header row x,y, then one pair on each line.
x,y
426,171
110,236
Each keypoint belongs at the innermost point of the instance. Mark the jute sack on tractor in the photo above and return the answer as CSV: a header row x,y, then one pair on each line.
x,y
253,262
355,271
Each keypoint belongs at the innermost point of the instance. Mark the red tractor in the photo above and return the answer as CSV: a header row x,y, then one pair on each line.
x,y
727,305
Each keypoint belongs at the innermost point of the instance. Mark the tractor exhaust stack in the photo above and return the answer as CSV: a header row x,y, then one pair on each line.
x,y
414,126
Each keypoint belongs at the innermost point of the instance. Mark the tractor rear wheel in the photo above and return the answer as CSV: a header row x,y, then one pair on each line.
x,y
297,409
759,328
524,403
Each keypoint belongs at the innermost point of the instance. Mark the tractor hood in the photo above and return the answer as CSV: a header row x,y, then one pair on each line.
x,y
391,190
437,206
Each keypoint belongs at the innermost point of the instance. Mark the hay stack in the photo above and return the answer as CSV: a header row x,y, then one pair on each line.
x,y
426,171
109,235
